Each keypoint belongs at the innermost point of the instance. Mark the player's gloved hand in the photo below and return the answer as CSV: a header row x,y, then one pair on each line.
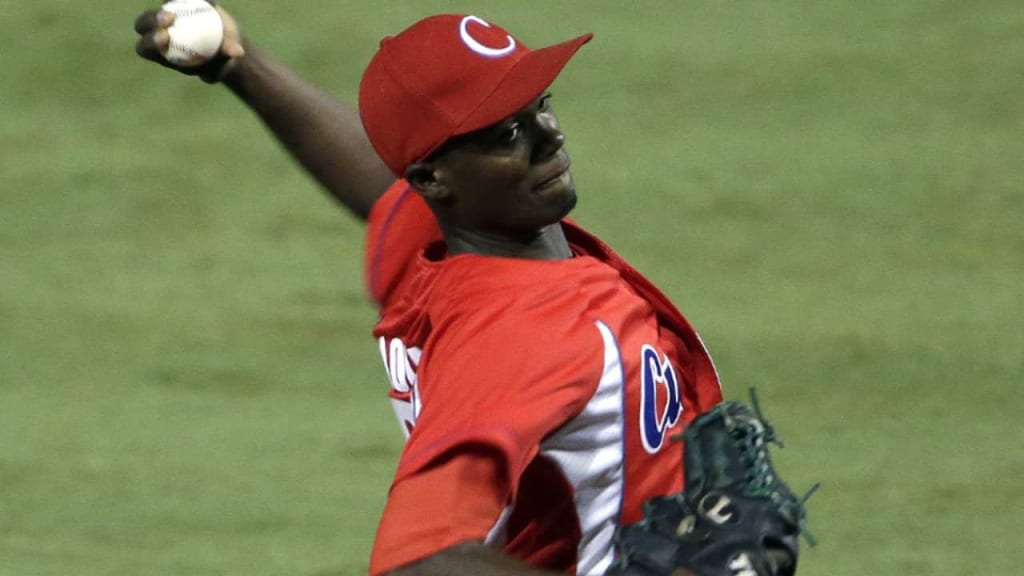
x,y
721,536
735,516
152,27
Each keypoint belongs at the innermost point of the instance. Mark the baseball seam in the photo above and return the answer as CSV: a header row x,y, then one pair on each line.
x,y
189,11
182,48
181,14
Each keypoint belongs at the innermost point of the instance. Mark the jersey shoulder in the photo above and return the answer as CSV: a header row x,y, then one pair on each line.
x,y
470,282
529,325
399,228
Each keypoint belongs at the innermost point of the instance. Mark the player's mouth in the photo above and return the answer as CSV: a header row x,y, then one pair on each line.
x,y
559,174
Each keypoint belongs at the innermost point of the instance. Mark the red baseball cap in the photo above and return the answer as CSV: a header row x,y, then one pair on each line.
x,y
448,75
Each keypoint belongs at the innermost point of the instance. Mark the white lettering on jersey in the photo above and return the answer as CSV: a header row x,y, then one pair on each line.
x,y
657,374
475,45
400,364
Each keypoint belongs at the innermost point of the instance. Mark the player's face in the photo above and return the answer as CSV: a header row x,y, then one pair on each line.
x,y
511,177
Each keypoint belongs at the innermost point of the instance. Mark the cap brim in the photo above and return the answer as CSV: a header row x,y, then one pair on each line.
x,y
527,80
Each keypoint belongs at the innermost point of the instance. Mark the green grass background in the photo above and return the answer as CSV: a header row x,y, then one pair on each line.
x,y
832,191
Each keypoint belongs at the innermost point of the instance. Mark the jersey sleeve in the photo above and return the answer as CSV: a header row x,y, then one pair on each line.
x,y
429,512
497,384
400,225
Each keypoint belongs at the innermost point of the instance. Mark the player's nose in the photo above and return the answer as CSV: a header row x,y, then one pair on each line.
x,y
550,140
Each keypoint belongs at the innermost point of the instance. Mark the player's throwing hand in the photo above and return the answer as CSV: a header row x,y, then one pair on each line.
x,y
154,39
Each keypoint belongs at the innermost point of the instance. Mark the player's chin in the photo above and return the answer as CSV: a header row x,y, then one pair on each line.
x,y
547,210
559,191
559,202
568,202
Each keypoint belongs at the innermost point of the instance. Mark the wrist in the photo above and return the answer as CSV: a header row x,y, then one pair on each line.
x,y
236,71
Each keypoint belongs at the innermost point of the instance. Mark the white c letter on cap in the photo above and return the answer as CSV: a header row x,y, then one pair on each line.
x,y
479,48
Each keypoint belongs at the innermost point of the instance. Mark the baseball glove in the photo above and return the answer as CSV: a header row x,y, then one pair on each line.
x,y
735,516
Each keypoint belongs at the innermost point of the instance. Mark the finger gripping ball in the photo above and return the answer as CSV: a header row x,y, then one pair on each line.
x,y
196,34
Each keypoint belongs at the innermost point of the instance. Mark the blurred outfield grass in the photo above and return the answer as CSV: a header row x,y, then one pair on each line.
x,y
832,192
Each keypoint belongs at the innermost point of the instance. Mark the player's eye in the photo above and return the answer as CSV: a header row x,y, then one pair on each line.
x,y
510,133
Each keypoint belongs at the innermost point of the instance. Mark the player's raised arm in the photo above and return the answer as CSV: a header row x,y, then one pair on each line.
x,y
324,135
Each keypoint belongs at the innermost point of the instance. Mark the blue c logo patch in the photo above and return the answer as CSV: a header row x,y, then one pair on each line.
x,y
658,411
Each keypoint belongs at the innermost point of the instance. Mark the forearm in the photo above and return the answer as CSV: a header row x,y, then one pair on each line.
x,y
325,136
471,558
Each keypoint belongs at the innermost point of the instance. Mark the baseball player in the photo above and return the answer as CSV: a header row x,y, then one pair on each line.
x,y
537,375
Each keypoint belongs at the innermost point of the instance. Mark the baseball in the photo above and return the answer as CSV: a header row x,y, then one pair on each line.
x,y
196,34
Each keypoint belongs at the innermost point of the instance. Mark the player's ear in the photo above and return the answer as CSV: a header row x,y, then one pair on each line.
x,y
425,178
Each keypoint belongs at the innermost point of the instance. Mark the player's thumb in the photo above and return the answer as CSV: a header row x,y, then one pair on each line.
x,y
232,49
231,46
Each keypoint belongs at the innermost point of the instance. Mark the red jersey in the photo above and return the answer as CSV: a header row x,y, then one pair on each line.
x,y
565,378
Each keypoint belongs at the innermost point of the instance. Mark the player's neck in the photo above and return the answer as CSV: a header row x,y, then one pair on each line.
x,y
548,243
